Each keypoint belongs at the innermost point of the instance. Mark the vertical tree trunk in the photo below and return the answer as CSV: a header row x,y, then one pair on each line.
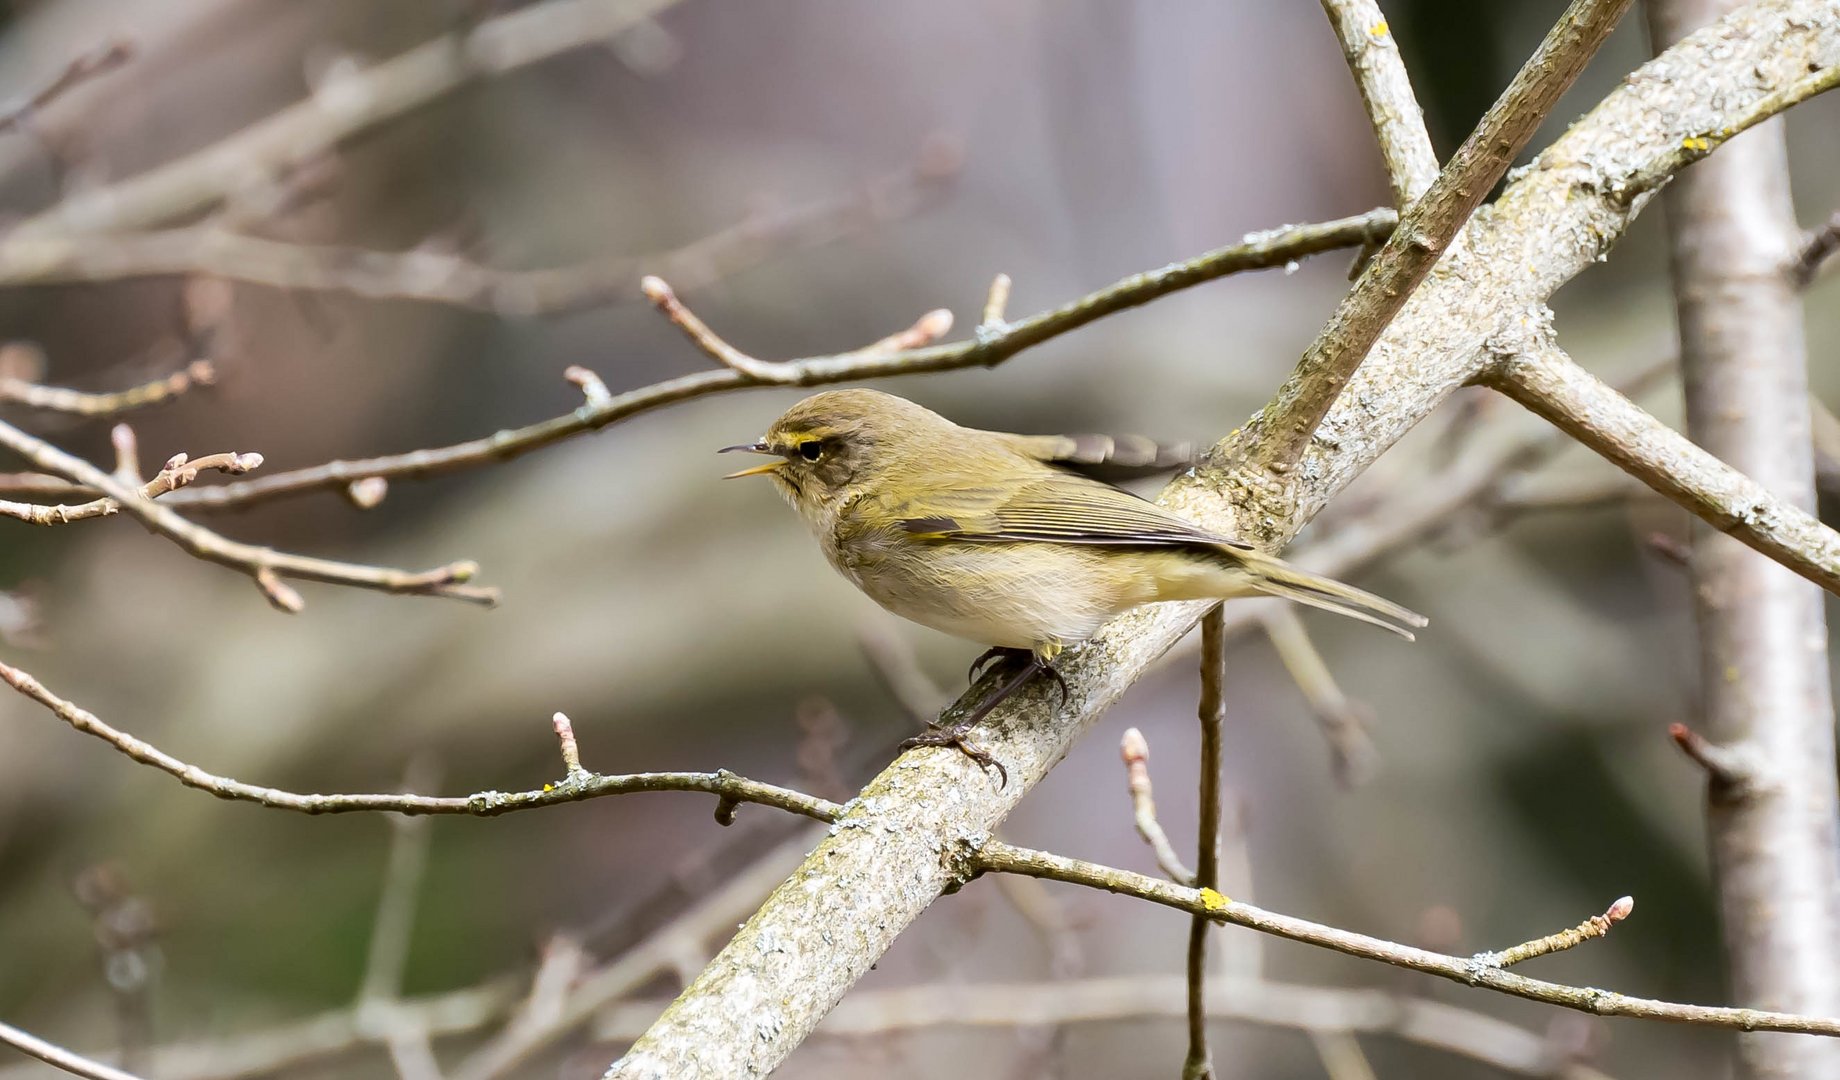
x,y
1768,708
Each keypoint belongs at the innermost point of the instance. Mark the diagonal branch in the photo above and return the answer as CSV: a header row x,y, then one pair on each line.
x,y
91,64
1386,90
1544,379
52,1054
1428,228
1816,249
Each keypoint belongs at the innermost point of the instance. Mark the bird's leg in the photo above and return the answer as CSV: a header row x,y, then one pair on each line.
x,y
1031,661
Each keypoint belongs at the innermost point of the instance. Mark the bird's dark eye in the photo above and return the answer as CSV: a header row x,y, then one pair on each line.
x,y
811,449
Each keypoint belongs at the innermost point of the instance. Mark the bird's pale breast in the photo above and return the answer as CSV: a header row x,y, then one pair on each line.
x,y
1016,595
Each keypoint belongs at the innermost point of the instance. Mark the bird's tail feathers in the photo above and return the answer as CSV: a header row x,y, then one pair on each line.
x,y
1278,578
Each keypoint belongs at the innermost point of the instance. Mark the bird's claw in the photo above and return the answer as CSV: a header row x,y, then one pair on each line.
x,y
1060,682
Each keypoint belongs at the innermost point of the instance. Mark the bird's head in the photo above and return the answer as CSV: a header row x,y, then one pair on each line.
x,y
829,443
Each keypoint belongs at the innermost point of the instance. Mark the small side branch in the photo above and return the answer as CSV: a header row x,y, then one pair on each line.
x,y
1135,750
175,474
1544,379
15,391
265,566
1728,768
1343,720
1817,247
83,67
1594,927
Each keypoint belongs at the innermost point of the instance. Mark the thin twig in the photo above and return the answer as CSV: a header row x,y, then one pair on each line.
x,y
95,62
1594,927
175,474
1258,251
1331,1010
1572,494
925,330
1731,769
1817,247
1428,228
1344,721
996,304
52,1054
721,783
1199,1064
14,391
265,565
891,657
1386,90
571,751
392,929
1042,1048
1002,858
1135,750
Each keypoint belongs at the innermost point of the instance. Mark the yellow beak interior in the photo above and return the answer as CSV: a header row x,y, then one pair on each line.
x,y
757,470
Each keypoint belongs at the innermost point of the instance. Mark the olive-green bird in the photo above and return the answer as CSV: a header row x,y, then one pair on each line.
x,y
997,538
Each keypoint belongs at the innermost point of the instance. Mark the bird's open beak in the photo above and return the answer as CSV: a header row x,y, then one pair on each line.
x,y
752,448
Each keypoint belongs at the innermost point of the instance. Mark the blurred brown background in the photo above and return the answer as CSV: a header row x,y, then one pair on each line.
x,y
1527,779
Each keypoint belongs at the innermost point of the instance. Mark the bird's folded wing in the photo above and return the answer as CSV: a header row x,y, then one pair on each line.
x,y
1051,506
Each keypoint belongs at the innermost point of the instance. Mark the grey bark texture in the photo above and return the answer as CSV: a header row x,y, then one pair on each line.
x,y
1764,693
903,841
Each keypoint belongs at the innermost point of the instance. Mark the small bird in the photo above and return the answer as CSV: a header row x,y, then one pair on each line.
x,y
1000,539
